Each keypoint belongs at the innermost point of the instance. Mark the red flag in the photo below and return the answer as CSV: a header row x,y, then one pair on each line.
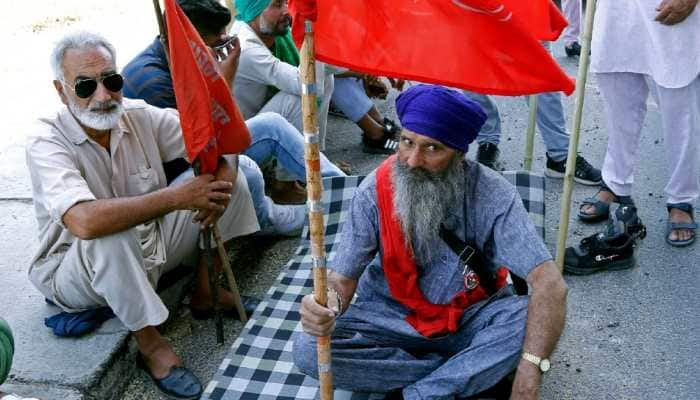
x,y
486,46
212,124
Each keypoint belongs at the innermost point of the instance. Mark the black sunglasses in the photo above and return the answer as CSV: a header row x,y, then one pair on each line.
x,y
85,87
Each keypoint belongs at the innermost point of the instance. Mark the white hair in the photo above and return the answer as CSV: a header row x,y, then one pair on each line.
x,y
78,40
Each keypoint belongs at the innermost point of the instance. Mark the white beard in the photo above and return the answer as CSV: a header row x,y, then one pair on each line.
x,y
422,201
92,118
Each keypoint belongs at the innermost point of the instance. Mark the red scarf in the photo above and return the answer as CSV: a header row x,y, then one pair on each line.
x,y
401,273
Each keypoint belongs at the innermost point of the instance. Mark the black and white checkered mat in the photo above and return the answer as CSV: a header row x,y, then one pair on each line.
x,y
259,364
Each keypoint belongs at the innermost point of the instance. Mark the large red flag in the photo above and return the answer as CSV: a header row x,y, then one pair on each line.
x,y
212,124
486,46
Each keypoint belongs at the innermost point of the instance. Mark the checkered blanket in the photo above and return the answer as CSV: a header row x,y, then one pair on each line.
x,y
259,364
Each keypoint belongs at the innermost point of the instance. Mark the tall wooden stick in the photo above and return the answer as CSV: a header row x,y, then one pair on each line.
x,y
575,133
314,189
161,26
223,255
530,139
226,266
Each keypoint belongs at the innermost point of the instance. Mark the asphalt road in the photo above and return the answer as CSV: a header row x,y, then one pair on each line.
x,y
629,334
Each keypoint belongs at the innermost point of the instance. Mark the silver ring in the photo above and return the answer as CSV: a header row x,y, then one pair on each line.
x,y
318,262
308,88
314,206
312,138
324,367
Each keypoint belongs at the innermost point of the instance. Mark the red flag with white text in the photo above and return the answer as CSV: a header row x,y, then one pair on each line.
x,y
486,46
212,124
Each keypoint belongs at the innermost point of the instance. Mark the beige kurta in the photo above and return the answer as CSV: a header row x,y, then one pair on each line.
x,y
67,167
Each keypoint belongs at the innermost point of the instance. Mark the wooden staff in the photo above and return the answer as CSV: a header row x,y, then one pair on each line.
x,y
314,189
530,138
575,131
223,255
161,27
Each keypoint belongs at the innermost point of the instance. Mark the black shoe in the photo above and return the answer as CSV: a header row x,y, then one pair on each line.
x,y
624,220
600,252
573,50
385,145
249,305
585,173
391,129
488,155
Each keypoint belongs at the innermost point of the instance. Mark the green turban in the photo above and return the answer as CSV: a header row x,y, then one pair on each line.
x,y
247,10
7,350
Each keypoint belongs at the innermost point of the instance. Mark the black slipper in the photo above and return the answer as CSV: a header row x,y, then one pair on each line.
x,y
180,383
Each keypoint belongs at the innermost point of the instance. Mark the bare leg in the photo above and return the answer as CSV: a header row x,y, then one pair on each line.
x,y
375,115
371,128
201,298
157,353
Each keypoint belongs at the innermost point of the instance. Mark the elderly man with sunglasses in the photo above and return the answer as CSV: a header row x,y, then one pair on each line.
x,y
109,225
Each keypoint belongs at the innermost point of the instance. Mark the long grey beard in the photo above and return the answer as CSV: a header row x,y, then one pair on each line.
x,y
422,201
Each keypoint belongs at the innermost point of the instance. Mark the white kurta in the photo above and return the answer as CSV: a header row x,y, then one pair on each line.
x,y
627,39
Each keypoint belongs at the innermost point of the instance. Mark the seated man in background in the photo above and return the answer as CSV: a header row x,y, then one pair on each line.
x,y
109,225
147,77
351,96
426,322
268,77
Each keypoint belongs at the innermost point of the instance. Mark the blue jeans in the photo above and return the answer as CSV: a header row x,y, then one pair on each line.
x,y
550,121
256,186
350,98
273,137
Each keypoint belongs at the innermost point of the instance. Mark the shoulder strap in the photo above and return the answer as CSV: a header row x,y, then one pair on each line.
x,y
470,255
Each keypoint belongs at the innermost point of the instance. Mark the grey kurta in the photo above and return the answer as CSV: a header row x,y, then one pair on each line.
x,y
375,349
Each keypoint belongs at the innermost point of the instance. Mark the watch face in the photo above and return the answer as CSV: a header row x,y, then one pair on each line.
x,y
545,365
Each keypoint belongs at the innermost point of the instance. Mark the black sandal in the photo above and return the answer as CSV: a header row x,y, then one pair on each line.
x,y
670,226
601,209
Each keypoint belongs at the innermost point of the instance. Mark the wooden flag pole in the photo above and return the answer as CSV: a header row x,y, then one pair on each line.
x,y
161,26
530,139
314,189
575,133
223,255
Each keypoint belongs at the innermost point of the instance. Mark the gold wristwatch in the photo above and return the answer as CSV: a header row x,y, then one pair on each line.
x,y
542,363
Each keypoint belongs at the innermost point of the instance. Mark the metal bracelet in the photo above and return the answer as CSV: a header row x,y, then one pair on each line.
x,y
312,137
324,367
318,262
308,88
314,206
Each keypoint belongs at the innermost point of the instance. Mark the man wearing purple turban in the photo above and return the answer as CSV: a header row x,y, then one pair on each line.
x,y
428,321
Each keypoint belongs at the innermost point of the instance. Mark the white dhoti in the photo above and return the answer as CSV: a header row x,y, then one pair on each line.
x,y
625,96
111,270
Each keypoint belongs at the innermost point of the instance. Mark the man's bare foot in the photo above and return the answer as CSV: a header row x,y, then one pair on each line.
x,y
157,353
674,216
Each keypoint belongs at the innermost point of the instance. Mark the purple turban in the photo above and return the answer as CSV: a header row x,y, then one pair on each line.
x,y
442,114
